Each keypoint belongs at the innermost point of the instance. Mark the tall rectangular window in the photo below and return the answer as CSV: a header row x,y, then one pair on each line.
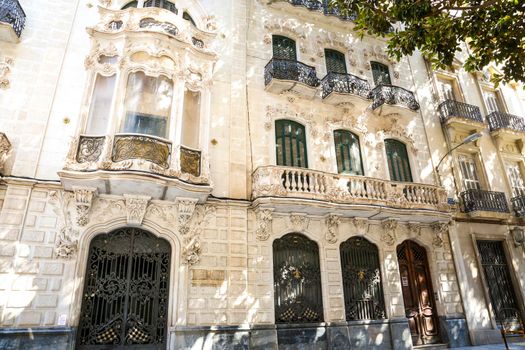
x,y
284,48
100,105
190,119
348,152
335,61
493,102
469,172
290,144
398,162
380,73
515,175
447,90
147,105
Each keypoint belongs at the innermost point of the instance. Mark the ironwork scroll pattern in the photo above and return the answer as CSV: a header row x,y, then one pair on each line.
x,y
297,280
344,83
480,200
128,147
290,70
125,297
391,94
190,161
362,280
152,24
451,108
501,120
90,148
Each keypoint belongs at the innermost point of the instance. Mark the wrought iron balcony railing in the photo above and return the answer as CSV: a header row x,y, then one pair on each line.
x,y
281,181
12,13
323,7
345,84
451,108
480,200
393,95
290,70
518,204
502,120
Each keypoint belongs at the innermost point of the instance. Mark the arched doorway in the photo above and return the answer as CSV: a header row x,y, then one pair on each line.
x,y
418,295
126,292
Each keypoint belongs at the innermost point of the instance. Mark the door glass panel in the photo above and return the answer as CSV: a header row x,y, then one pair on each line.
x,y
469,173
380,73
297,280
516,178
147,105
446,90
398,163
335,61
284,48
492,101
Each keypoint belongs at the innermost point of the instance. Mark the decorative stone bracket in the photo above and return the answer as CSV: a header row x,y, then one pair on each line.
x,y
136,208
299,222
191,243
83,200
332,222
185,210
264,224
389,231
414,229
5,148
439,228
361,225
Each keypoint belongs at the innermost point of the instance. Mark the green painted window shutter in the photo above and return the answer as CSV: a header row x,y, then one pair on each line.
x,y
284,48
290,144
335,61
381,73
398,163
348,153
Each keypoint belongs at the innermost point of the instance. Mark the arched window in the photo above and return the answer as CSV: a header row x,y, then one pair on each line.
x,y
381,73
290,144
187,17
130,4
297,280
348,153
398,163
163,4
284,48
362,280
335,61
147,105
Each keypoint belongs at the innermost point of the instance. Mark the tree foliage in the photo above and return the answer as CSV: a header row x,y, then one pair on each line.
x,y
493,29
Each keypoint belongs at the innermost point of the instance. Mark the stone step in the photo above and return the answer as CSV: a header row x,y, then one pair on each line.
x,y
431,347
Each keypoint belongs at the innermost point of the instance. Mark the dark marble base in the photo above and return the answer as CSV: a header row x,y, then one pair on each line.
x,y
374,335
454,331
52,338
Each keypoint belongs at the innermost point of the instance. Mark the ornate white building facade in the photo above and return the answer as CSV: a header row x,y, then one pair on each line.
x,y
197,174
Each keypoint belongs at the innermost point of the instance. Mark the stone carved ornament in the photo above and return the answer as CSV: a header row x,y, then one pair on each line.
x,y
332,222
361,225
83,200
264,224
414,229
136,208
5,69
396,130
5,149
185,209
389,231
66,245
299,222
439,228
192,241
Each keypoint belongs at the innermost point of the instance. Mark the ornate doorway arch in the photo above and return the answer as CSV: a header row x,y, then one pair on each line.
x,y
126,292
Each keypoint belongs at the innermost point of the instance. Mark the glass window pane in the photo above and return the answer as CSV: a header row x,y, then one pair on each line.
x,y
469,174
335,61
190,120
147,105
284,48
398,162
100,105
380,73
348,153
290,144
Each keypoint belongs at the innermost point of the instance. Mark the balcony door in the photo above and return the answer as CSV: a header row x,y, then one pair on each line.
x,y
126,292
514,172
493,102
290,144
284,48
335,61
447,90
398,162
348,153
418,295
469,172
380,73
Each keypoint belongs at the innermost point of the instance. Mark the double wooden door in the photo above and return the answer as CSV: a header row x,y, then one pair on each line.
x,y
418,295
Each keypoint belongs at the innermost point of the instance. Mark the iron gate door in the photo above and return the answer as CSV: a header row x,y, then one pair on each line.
x,y
501,289
418,295
125,299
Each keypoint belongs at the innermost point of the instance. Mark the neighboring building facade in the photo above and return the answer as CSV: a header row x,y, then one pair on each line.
x,y
199,174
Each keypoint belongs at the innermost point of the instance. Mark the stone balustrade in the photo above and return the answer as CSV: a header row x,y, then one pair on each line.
x,y
288,182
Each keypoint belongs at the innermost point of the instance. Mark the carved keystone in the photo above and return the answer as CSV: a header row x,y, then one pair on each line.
x,y
136,208
83,200
439,228
185,210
